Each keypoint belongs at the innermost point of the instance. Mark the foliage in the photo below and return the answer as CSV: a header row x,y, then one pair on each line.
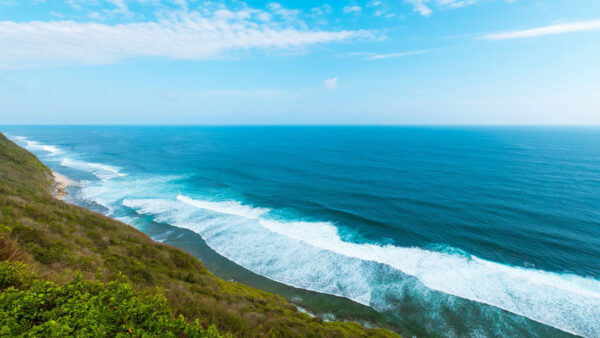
x,y
55,238
15,274
87,308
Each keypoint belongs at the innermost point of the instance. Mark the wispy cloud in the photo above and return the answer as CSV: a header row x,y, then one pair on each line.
x,y
180,35
580,26
380,9
352,9
321,10
400,54
424,7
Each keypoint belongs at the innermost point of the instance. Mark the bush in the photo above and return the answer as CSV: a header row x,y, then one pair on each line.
x,y
15,274
85,308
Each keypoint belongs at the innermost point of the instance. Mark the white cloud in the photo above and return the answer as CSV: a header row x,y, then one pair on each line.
x,y
580,26
424,7
181,3
352,9
420,7
321,10
264,16
396,55
284,13
331,84
184,35
380,9
119,4
73,4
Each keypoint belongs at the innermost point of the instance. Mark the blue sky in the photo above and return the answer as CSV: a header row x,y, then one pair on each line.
x,y
300,62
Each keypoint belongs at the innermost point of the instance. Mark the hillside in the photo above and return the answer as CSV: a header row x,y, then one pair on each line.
x,y
67,270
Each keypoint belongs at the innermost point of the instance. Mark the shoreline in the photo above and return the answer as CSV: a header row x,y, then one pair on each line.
x,y
67,190
326,306
233,272
67,245
60,184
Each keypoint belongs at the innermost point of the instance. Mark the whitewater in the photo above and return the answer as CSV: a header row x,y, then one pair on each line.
x,y
313,255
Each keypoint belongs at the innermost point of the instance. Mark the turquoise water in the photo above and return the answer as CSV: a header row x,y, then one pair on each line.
x,y
483,231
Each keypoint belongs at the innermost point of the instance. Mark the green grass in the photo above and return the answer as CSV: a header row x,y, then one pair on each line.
x,y
65,246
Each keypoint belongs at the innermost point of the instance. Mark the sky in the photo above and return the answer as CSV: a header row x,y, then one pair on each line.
x,y
396,62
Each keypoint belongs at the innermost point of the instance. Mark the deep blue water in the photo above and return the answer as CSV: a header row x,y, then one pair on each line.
x,y
498,226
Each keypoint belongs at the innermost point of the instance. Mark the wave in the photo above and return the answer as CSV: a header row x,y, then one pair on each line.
x,y
102,171
245,242
312,255
560,300
36,146
106,192
226,207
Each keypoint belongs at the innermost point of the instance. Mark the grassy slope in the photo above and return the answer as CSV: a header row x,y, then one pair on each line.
x,y
57,239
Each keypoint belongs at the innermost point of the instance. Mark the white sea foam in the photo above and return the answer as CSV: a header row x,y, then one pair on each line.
x,y
107,192
312,255
245,242
568,302
127,220
102,171
52,150
36,146
225,207
15,138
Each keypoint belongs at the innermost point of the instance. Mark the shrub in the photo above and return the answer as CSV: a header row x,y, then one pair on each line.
x,y
85,308
15,274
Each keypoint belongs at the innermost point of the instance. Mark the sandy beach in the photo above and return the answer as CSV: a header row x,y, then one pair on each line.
x,y
60,184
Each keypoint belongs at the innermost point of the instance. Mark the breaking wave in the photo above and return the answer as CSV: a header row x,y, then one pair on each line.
x,y
312,255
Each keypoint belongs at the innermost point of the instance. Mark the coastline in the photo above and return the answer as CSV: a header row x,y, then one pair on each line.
x,y
324,306
70,243
329,308
61,183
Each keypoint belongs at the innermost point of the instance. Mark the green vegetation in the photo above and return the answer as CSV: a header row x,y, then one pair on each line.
x,y
67,270
84,308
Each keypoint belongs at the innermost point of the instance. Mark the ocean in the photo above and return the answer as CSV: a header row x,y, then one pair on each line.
x,y
450,231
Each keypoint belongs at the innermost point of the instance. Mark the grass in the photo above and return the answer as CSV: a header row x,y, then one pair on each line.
x,y
64,246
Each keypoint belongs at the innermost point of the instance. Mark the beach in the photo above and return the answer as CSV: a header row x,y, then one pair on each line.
x,y
60,185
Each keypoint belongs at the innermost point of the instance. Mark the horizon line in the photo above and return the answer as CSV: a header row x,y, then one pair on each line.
x,y
296,125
